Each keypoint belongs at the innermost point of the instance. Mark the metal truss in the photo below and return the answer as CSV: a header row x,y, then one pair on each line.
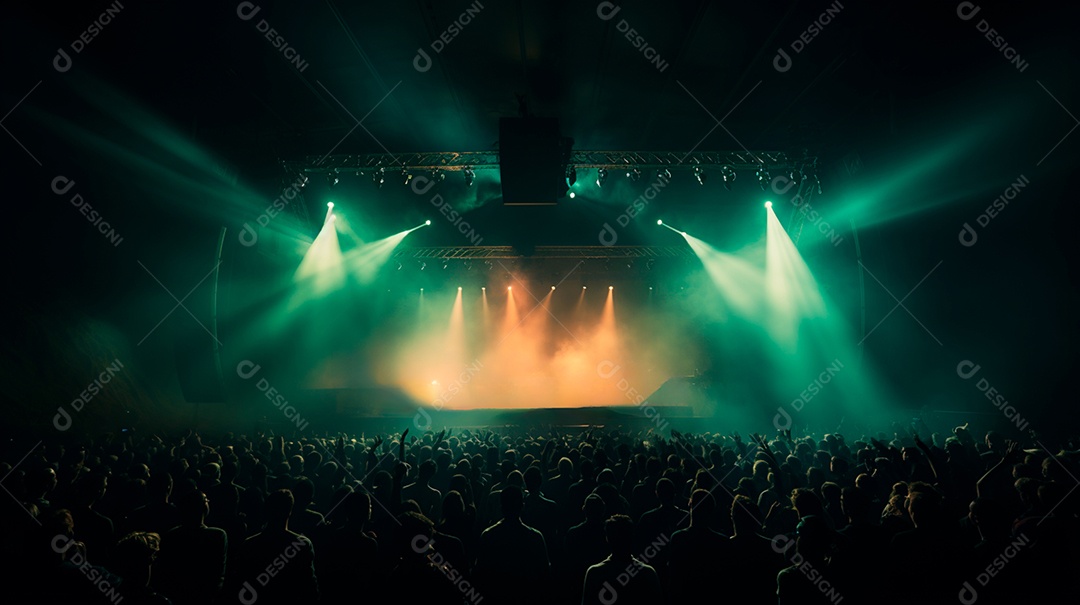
x,y
545,252
489,160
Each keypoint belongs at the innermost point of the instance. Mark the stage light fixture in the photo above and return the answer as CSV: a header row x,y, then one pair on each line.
x,y
330,205
572,195
438,176
423,266
303,180
584,287
470,176
427,222
331,179
768,204
508,288
611,287
663,175
699,174
795,175
406,175
728,174
552,287
634,175
571,176
659,222
601,176
379,177
763,178
459,288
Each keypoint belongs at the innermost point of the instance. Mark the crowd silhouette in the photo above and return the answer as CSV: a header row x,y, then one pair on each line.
x,y
540,515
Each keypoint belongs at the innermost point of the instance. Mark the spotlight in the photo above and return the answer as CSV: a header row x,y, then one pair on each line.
x,y
421,290
601,176
572,195
399,266
508,288
659,222
438,176
728,174
459,288
378,177
634,175
330,205
663,175
331,179
483,288
611,287
584,287
303,180
427,222
406,175
469,176
699,174
763,177
552,287
571,176
768,204
423,266
795,175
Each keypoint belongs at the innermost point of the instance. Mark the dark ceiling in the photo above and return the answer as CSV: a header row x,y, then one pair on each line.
x,y
866,75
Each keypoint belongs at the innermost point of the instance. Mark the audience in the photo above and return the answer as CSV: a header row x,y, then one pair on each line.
x,y
530,515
